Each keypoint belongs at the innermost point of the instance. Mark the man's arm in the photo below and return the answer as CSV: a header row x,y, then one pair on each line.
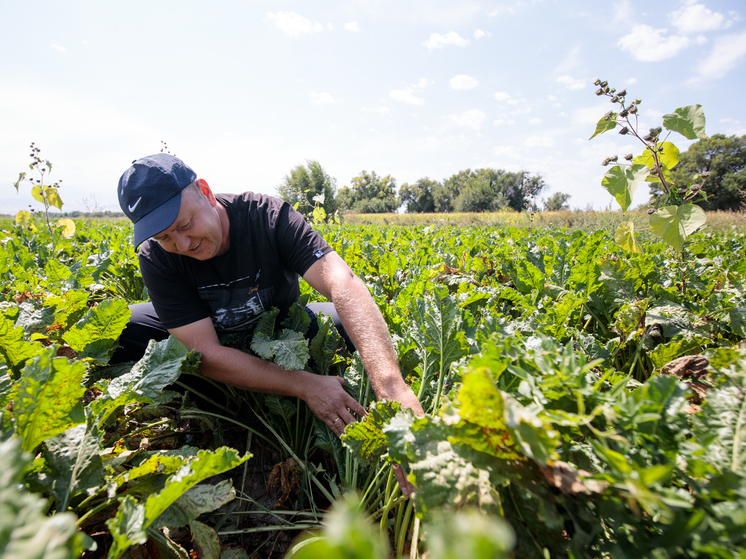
x,y
323,394
365,325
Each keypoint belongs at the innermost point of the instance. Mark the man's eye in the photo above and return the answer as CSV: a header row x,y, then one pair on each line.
x,y
186,226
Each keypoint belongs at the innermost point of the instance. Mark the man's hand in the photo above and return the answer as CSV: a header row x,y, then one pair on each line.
x,y
331,404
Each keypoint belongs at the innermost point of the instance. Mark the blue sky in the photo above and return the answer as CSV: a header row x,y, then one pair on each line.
x,y
243,91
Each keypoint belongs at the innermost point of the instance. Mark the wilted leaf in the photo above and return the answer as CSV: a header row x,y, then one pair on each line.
x,y
69,226
625,237
365,438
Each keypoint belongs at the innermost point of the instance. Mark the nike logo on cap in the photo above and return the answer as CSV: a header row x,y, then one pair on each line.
x,y
133,206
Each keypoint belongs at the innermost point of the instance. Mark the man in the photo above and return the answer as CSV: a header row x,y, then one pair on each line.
x,y
216,263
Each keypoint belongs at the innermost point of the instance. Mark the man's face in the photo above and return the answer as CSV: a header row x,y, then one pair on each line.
x,y
197,231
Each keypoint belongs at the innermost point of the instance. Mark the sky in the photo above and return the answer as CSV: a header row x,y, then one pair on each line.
x,y
244,91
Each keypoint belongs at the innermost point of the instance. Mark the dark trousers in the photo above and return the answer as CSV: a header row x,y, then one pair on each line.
x,y
144,325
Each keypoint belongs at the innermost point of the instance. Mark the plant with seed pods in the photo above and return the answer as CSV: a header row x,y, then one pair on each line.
x,y
677,217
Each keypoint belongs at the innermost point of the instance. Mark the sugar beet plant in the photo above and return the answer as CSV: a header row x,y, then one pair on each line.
x,y
676,216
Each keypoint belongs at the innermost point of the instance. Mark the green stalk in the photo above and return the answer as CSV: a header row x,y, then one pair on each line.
x,y
403,529
197,413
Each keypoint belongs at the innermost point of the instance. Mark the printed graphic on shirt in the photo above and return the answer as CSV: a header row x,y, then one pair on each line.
x,y
236,307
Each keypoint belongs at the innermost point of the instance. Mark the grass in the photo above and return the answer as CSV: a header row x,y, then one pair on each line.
x,y
575,219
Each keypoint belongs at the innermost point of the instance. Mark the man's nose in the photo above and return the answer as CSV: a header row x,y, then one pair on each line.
x,y
182,242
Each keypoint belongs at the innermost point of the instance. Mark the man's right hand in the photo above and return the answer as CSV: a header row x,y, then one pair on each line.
x,y
329,401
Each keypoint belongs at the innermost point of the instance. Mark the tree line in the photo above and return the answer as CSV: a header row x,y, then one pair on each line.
x,y
720,160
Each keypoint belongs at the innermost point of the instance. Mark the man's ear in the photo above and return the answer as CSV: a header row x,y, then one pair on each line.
x,y
207,191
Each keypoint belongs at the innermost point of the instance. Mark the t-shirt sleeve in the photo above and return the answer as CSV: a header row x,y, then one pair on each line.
x,y
298,243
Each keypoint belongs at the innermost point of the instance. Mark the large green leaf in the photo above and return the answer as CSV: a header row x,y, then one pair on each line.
x,y
674,224
161,365
687,121
74,463
622,182
26,531
48,396
195,502
128,527
721,425
95,335
289,350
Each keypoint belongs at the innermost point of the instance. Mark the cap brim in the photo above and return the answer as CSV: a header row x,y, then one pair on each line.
x,y
158,220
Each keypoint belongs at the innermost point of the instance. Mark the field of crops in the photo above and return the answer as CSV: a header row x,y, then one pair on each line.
x,y
582,401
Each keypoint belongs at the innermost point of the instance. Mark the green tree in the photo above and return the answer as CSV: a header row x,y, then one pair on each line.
x,y
308,186
369,193
720,160
486,190
557,202
419,197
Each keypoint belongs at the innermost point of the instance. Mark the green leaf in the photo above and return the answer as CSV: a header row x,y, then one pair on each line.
x,y
622,182
36,192
95,335
126,527
687,121
289,350
26,532
625,237
14,349
720,427
365,438
668,157
482,421
607,122
206,540
53,197
161,365
47,399
74,462
674,224
195,502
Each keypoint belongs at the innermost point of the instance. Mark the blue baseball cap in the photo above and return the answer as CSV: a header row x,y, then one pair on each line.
x,y
150,193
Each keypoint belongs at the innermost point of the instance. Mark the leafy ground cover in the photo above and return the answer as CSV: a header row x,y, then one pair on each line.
x,y
582,401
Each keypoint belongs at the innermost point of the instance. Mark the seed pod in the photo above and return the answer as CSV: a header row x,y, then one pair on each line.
x,y
651,211
633,110
614,159
608,115
606,162
629,157
622,93
615,99
612,90
597,82
637,101
600,92
604,84
624,113
624,131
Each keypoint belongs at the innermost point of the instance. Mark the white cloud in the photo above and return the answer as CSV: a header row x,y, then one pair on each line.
x,y
539,142
535,120
57,47
478,34
294,24
571,83
695,18
650,45
727,52
502,96
589,116
463,82
322,98
732,127
438,41
471,119
631,81
352,26
330,27
406,96
501,121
